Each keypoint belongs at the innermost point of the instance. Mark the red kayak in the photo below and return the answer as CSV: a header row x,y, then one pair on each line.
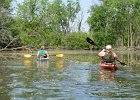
x,y
111,67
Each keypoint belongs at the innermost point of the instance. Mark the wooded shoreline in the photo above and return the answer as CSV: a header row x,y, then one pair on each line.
x,y
57,25
27,49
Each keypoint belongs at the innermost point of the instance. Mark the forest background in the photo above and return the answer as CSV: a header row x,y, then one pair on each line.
x,y
41,22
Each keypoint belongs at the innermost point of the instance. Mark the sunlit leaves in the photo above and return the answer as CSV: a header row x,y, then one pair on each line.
x,y
117,21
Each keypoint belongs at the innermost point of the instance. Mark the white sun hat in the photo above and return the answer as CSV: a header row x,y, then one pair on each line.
x,y
108,47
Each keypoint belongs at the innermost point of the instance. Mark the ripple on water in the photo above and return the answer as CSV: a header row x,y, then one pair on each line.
x,y
19,67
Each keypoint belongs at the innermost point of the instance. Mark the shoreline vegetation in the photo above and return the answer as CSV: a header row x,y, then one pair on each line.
x,y
56,25
24,48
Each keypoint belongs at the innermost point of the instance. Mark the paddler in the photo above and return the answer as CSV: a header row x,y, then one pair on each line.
x,y
42,53
107,55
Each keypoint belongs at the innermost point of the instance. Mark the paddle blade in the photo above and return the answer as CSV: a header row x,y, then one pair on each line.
x,y
90,41
59,55
122,63
27,55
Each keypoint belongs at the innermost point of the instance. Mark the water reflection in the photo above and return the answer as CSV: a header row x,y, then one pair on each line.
x,y
59,64
43,64
69,79
43,69
27,62
106,75
133,58
130,57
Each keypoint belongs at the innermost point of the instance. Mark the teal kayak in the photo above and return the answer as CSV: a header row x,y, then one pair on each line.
x,y
43,59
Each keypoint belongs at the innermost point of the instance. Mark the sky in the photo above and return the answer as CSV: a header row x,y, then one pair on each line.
x,y
85,7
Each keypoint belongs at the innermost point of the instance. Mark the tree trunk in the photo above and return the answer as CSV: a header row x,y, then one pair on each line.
x,y
131,35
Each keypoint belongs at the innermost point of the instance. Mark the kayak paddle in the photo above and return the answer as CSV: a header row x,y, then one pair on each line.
x,y
90,41
122,63
27,55
57,55
93,43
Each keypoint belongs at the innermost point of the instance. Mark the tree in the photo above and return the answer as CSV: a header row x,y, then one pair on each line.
x,y
5,21
116,21
42,20
62,16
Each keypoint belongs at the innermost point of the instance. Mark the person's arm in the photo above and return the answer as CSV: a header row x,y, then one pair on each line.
x,y
47,54
38,54
115,56
102,53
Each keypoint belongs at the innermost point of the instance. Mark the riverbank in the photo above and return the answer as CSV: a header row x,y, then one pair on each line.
x,y
64,51
127,48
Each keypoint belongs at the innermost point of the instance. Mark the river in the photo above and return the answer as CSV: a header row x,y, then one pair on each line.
x,y
76,76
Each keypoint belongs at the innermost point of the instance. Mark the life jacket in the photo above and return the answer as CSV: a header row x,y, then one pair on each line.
x,y
108,57
42,53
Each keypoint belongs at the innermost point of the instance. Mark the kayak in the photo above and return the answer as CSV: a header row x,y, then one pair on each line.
x,y
108,66
43,59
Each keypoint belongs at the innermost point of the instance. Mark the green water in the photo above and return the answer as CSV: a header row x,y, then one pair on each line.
x,y
76,76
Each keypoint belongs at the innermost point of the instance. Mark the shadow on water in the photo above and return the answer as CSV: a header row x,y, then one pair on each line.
x,y
76,76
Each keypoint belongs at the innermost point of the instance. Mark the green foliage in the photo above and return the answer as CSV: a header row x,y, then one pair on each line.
x,y
5,38
60,15
76,41
41,22
99,38
115,20
5,21
46,23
